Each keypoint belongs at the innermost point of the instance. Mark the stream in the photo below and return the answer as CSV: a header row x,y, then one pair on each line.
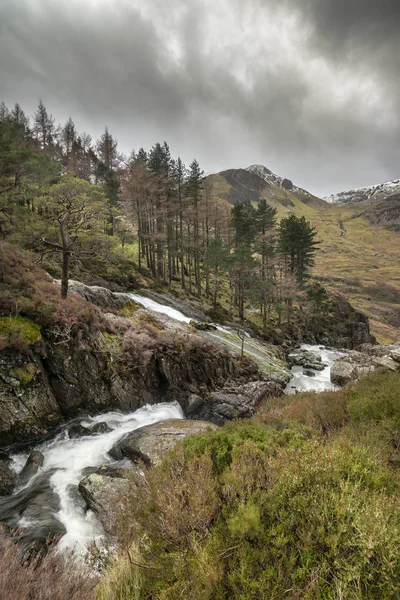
x,y
49,502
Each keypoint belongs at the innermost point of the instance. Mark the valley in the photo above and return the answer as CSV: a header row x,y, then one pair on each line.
x,y
359,252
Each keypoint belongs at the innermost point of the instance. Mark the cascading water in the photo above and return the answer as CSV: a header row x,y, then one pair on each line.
x,y
320,381
50,502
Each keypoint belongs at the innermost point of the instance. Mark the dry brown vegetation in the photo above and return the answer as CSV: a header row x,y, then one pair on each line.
x,y
52,577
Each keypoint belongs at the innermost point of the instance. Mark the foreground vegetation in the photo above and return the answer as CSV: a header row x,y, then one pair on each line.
x,y
302,501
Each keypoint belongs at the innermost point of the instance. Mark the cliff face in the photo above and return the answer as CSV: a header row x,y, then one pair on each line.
x,y
52,381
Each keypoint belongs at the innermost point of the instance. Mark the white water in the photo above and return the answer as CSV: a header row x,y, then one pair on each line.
x,y
321,382
65,460
68,458
159,308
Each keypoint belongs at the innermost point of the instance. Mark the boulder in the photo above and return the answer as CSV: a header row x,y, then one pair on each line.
x,y
79,430
203,326
307,359
309,372
387,362
237,401
100,296
7,479
150,443
32,466
395,355
342,373
104,492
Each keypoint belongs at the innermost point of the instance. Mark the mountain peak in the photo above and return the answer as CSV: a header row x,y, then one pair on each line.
x,y
373,194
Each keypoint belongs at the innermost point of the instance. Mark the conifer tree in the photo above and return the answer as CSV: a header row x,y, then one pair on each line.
x,y
297,245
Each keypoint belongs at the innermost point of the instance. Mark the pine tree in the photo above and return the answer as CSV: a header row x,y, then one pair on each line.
x,y
194,189
18,116
43,126
243,223
297,245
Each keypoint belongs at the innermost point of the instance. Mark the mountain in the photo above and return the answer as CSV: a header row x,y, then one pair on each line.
x,y
360,241
372,195
257,182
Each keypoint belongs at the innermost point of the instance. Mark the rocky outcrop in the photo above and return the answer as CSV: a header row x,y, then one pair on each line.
x,y
149,444
28,407
356,364
63,378
306,359
237,402
99,296
104,492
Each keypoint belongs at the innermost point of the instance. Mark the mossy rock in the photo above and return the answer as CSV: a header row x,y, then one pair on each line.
x,y
17,331
24,374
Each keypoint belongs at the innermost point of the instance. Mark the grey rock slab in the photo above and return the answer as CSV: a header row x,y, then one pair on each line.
x,y
105,491
152,442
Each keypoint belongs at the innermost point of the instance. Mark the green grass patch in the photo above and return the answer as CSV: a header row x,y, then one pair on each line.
x,y
19,332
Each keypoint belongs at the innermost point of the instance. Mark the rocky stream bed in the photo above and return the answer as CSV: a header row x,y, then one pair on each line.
x,y
69,484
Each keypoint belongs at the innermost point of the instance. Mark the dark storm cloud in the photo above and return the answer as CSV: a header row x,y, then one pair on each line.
x,y
310,89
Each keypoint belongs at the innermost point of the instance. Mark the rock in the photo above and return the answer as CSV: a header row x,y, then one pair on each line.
x,y
194,403
342,373
79,430
104,492
303,358
151,443
100,296
395,355
32,466
237,401
7,479
100,427
387,362
308,372
28,407
315,366
203,326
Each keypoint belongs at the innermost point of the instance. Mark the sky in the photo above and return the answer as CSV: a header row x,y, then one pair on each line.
x,y
310,88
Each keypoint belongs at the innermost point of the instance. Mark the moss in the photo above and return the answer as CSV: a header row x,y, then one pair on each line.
x,y
130,309
19,332
24,374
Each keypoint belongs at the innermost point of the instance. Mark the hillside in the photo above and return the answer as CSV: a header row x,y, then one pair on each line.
x,y
360,244
373,194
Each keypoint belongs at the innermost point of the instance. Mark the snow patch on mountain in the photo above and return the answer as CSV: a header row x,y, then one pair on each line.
x,y
265,174
372,194
275,180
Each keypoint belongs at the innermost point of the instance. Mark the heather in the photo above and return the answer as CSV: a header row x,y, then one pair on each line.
x,y
299,502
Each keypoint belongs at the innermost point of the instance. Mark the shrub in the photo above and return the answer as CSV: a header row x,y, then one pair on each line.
x,y
29,301
54,576
265,509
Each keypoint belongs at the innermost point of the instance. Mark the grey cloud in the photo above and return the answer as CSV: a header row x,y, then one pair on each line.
x,y
114,63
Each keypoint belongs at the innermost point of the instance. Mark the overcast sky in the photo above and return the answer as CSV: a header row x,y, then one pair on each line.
x,y
309,88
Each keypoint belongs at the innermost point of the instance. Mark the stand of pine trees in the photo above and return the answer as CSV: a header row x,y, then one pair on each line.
x,y
184,236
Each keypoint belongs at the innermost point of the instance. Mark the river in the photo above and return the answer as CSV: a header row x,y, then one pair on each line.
x,y
50,502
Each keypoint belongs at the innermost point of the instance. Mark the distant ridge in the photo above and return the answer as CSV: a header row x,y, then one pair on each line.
x,y
373,194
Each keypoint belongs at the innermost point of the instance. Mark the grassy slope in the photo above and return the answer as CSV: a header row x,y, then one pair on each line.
x,y
301,501
356,264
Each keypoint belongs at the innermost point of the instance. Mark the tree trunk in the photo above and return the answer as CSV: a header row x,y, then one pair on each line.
x,y
65,273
